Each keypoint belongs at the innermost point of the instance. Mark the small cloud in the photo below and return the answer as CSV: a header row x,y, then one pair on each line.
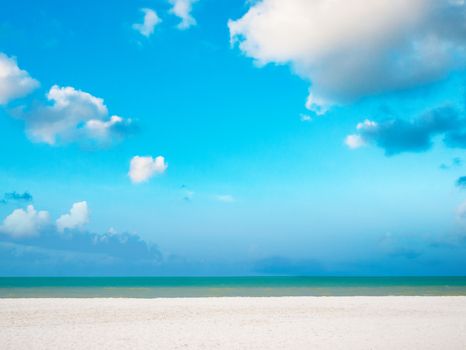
x,y
76,218
151,19
455,162
461,182
305,118
182,9
74,115
143,168
106,129
25,223
354,141
14,82
398,136
16,197
224,198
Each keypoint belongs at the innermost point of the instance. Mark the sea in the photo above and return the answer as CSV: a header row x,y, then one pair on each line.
x,y
176,287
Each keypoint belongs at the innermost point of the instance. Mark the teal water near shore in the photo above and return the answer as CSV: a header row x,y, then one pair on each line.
x,y
153,287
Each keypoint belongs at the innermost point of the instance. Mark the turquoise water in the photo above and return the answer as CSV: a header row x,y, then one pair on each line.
x,y
153,287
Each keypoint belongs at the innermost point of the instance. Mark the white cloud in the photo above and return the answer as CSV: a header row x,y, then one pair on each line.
x,y
354,141
14,82
182,9
24,223
225,198
143,168
367,125
74,115
352,49
103,129
76,218
151,19
305,118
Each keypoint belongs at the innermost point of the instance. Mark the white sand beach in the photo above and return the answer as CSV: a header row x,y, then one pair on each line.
x,y
234,323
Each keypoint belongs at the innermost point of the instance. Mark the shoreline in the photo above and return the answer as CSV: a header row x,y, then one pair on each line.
x,y
199,293
257,286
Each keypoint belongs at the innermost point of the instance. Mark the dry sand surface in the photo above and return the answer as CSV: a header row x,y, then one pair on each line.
x,y
235,323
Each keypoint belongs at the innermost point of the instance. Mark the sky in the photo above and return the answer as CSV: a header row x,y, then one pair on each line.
x,y
267,137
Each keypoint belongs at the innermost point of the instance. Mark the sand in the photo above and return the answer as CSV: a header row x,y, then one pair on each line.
x,y
235,323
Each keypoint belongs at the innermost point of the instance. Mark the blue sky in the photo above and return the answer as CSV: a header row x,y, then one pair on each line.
x,y
232,137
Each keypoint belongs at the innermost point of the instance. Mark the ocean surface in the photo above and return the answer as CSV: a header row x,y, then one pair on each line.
x,y
154,287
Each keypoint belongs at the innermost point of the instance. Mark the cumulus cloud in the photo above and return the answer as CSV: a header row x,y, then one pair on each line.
x,y
24,223
76,218
15,197
182,9
398,135
74,115
30,245
14,82
151,19
352,49
78,254
142,169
